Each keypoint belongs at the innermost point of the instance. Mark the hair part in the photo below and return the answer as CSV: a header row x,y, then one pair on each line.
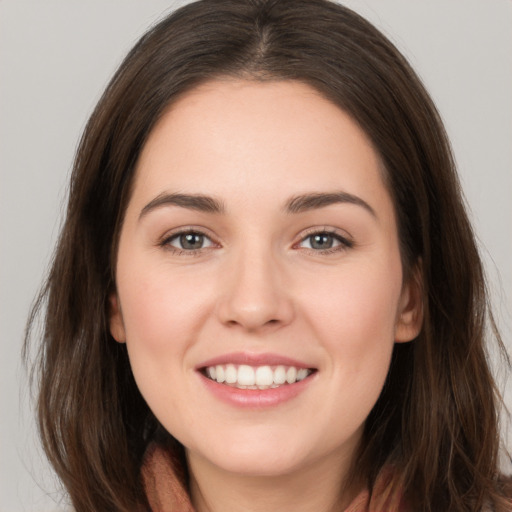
x,y
436,419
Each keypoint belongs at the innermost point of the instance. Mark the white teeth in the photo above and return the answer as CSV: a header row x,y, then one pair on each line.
x,y
230,374
302,374
260,377
280,375
264,376
291,375
246,375
219,370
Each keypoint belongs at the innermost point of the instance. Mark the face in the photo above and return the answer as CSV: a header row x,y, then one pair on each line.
x,y
259,280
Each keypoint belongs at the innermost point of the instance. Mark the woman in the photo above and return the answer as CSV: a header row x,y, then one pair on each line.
x,y
266,294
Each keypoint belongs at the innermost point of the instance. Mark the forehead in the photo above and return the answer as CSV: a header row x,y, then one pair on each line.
x,y
239,138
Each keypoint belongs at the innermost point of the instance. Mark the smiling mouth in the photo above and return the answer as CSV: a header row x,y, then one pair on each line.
x,y
256,377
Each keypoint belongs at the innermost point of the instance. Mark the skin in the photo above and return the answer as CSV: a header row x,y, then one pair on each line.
x,y
258,286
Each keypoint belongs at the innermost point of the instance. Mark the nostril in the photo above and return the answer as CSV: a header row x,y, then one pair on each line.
x,y
252,323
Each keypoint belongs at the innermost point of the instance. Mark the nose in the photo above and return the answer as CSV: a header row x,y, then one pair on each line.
x,y
254,295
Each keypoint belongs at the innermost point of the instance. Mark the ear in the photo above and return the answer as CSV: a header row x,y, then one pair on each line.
x,y
116,319
410,308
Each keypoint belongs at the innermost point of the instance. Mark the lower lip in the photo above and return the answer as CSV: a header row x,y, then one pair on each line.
x,y
256,398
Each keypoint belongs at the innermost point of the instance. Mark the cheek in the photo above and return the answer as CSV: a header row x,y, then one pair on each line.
x,y
354,314
158,309
163,314
354,317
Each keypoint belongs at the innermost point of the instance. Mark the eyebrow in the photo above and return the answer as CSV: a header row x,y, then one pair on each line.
x,y
197,202
297,204
306,202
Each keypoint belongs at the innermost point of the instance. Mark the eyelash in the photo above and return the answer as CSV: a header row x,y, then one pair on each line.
x,y
344,243
166,242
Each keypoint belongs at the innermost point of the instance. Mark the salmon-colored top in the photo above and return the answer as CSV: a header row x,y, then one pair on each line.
x,y
166,492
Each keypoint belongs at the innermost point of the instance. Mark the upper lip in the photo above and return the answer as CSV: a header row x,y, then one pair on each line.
x,y
253,359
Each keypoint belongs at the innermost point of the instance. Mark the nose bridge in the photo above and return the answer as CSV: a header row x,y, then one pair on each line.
x,y
254,290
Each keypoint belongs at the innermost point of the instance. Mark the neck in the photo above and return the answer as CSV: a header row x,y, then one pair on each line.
x,y
322,486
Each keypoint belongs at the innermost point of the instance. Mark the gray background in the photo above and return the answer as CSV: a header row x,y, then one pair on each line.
x,y
56,56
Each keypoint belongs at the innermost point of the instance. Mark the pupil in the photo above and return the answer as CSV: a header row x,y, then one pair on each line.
x,y
191,241
322,241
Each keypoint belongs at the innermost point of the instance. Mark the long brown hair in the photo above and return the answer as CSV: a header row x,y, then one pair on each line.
x,y
436,420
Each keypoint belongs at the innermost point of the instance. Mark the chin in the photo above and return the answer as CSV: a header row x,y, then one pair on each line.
x,y
259,454
259,464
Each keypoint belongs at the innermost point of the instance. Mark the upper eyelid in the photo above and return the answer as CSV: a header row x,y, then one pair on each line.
x,y
188,229
345,240
329,230
300,237
165,241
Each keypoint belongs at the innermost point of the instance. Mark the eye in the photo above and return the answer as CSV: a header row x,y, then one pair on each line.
x,y
188,241
325,241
